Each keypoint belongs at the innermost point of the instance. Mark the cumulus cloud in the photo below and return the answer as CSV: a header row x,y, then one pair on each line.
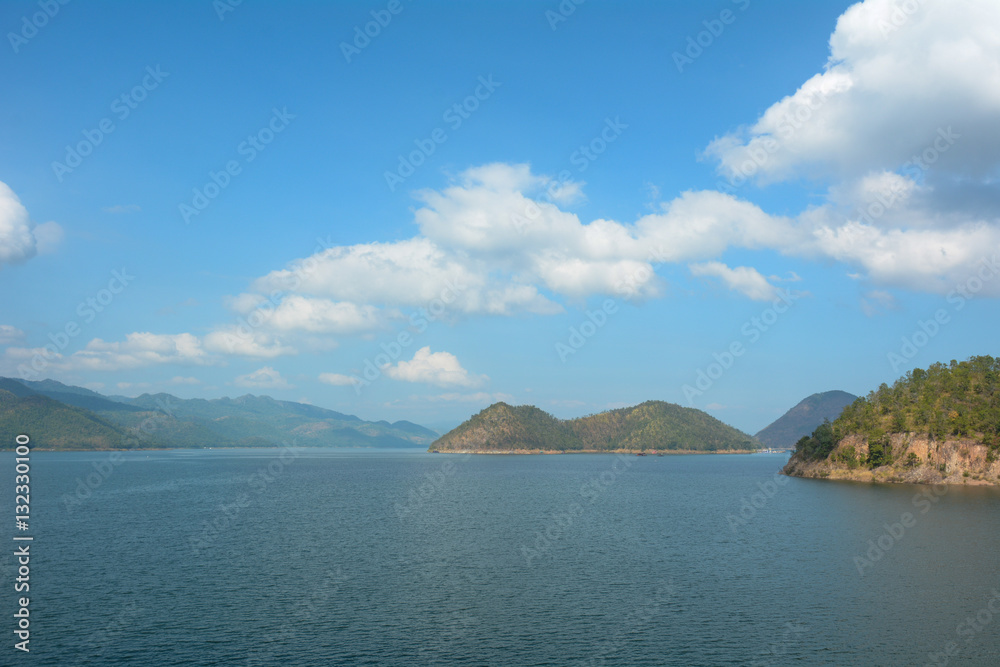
x,y
243,341
300,313
895,78
744,279
139,350
494,242
262,378
901,125
438,368
20,239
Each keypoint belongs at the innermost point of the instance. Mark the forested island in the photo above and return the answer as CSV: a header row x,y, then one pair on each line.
x,y
935,426
650,426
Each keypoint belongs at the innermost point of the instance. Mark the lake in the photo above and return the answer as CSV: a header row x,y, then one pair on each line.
x,y
351,557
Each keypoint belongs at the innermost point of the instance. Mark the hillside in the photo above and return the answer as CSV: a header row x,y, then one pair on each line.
x,y
54,425
164,420
939,425
804,418
654,425
249,417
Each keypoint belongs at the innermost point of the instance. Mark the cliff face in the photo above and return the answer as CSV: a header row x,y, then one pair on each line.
x,y
952,461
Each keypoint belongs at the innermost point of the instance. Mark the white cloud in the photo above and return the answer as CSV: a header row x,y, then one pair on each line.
x,y
20,239
438,368
177,379
337,380
241,340
299,313
893,80
487,247
263,378
744,279
138,350
911,159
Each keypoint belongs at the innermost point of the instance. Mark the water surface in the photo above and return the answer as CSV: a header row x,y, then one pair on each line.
x,y
262,557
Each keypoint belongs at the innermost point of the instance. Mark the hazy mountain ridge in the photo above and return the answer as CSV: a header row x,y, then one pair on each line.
x,y
804,418
653,425
52,424
164,420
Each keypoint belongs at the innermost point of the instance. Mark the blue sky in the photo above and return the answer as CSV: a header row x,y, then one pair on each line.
x,y
280,198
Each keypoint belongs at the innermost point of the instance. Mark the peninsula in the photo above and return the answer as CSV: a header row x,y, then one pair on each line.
x,y
935,426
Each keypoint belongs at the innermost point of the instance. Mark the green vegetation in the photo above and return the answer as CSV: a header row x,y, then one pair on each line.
x,y
651,425
958,400
51,424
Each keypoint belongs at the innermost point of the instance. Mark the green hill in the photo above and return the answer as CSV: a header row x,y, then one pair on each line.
x,y
653,425
804,418
54,425
936,425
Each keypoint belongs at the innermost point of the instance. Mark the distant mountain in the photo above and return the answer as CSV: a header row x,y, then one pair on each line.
x,y
76,396
803,419
653,425
164,420
255,417
51,424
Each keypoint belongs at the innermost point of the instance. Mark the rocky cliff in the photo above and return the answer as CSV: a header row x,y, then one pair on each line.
x,y
915,458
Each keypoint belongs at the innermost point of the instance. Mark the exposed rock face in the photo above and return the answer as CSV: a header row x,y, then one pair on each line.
x,y
959,461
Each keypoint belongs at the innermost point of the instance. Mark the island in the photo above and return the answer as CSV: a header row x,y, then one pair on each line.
x,y
939,425
653,426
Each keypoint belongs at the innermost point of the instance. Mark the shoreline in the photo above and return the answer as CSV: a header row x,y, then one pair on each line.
x,y
647,452
917,459
890,476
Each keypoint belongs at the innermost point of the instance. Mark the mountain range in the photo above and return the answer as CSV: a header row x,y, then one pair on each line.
x,y
60,416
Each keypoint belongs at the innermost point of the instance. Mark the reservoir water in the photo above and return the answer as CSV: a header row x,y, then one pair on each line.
x,y
350,557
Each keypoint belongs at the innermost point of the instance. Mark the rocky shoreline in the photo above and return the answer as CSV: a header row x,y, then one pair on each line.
x,y
647,452
958,462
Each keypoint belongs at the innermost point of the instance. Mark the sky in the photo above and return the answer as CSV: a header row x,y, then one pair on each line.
x,y
411,210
